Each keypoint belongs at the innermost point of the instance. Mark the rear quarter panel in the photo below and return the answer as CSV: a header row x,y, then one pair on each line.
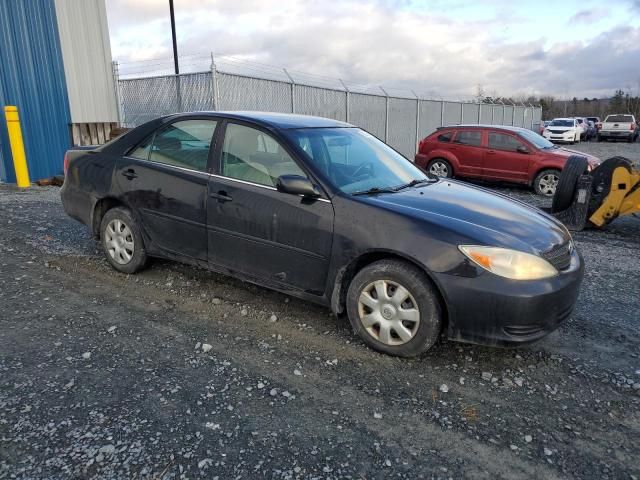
x,y
89,178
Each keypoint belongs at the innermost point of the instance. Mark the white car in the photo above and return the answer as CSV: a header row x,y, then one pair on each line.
x,y
563,130
584,125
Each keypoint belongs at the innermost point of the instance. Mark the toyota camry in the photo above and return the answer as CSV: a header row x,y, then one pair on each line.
x,y
324,211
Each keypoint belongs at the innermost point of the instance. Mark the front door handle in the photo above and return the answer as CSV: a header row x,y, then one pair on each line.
x,y
491,151
221,196
130,173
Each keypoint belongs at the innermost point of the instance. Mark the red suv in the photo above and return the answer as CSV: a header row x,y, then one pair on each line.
x,y
491,152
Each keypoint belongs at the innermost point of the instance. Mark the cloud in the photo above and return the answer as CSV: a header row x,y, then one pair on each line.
x,y
588,16
389,43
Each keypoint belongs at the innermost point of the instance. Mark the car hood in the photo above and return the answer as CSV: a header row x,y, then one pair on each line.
x,y
567,152
477,215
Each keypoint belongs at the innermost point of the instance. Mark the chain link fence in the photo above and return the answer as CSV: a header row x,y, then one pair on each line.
x,y
399,121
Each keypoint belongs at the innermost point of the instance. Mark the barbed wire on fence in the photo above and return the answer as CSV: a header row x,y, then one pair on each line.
x,y
400,117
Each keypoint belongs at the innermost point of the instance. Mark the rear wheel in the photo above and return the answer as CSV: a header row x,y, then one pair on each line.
x,y
122,241
546,182
567,182
393,308
440,168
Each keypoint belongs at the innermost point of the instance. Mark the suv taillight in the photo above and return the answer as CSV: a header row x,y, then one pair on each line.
x,y
65,163
598,125
633,126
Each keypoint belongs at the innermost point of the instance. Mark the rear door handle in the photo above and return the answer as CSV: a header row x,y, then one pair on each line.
x,y
221,196
491,151
130,173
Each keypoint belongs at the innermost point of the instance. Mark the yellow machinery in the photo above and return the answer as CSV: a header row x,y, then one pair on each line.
x,y
596,198
623,197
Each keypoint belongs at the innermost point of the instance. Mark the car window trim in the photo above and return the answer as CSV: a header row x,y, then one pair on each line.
x,y
149,162
217,170
458,131
268,187
208,169
522,141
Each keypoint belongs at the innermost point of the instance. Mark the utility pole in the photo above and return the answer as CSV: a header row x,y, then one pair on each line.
x,y
175,57
173,37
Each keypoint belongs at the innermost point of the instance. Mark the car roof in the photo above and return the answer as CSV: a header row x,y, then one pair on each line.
x,y
496,127
275,120
564,118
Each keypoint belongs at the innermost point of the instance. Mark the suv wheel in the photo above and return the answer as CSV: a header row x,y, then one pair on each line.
x,y
440,168
393,308
546,182
122,241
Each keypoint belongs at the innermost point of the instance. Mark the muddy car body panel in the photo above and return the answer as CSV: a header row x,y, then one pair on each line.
x,y
311,247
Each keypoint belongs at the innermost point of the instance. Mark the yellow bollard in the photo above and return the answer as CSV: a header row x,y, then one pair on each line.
x,y
17,146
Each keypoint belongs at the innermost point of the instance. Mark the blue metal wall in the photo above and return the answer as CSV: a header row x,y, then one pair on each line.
x,y
32,77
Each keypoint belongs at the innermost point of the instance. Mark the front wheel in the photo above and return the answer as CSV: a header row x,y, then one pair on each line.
x,y
393,308
122,241
440,168
546,182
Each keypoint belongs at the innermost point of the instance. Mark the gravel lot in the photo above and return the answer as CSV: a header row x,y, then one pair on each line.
x,y
178,373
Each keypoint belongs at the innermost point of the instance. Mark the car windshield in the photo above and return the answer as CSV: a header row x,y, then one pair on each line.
x,y
537,140
356,161
562,123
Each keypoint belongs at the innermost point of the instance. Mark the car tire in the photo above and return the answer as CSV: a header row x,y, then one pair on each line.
x,y
630,139
409,322
598,138
563,197
122,241
546,181
440,165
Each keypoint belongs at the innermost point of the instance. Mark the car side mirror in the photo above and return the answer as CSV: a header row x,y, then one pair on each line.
x,y
522,149
297,185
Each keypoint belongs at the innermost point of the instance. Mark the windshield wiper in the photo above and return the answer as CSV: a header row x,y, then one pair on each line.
x,y
374,190
413,183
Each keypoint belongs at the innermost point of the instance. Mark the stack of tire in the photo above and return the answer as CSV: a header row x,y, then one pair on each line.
x,y
600,185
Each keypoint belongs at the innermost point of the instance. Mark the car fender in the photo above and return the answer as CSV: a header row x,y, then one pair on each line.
x,y
345,274
447,155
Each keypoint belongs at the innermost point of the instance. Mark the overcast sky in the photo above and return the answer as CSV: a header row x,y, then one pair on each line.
x,y
566,48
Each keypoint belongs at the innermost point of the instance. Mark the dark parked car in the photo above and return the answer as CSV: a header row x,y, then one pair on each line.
x,y
492,152
592,130
324,211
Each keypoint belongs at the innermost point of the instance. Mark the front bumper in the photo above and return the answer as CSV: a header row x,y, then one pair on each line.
x,y
557,137
493,310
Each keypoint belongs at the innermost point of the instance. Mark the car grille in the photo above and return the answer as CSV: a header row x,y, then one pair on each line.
x,y
557,132
559,256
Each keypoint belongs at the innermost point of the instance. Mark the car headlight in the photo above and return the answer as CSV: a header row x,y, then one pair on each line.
x,y
509,263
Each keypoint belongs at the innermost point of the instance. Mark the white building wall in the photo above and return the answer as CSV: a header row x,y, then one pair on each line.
x,y
86,53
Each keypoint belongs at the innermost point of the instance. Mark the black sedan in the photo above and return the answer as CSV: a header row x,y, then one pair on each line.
x,y
324,211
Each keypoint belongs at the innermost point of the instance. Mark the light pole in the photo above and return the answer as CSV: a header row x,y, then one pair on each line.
x,y
173,37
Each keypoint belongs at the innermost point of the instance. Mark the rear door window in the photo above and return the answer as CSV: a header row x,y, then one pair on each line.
x,y
469,137
502,141
184,144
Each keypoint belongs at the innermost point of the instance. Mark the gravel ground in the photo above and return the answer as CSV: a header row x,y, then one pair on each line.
x,y
178,373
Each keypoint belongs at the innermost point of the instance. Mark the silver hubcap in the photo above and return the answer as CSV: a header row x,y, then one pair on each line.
x,y
119,241
439,169
388,312
548,184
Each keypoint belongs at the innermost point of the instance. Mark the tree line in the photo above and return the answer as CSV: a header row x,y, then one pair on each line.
x,y
620,102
